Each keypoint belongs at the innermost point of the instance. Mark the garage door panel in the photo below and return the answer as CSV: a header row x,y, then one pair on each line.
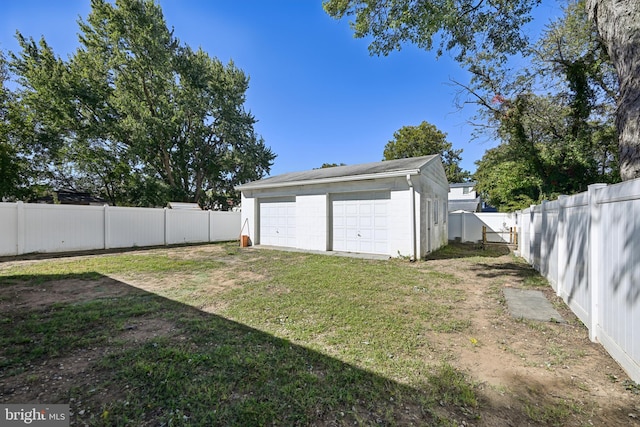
x,y
351,209
380,222
352,245
380,209
366,208
359,222
278,222
351,222
366,221
365,247
365,234
381,235
380,248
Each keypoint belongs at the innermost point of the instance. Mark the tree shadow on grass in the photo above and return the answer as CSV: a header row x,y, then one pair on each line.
x,y
123,356
522,272
120,355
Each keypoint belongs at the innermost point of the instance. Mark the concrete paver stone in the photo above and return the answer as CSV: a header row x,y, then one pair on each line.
x,y
530,304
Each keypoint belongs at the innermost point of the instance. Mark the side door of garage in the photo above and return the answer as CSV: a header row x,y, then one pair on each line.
x,y
360,222
277,225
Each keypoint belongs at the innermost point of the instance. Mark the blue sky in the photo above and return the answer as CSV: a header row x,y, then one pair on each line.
x,y
318,96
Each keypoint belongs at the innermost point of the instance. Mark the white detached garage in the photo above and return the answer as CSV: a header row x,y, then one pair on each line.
x,y
394,207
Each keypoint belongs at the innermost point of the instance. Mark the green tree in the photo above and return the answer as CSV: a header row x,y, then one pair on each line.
x,y
9,169
12,167
424,140
331,165
16,172
140,114
460,24
506,183
495,26
38,114
563,140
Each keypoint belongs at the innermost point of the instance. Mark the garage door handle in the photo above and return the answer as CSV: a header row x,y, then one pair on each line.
x,y
359,235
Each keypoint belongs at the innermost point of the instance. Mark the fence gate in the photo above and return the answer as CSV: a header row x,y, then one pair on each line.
x,y
499,237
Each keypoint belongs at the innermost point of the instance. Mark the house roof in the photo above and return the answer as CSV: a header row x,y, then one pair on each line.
x,y
387,168
467,205
71,197
463,184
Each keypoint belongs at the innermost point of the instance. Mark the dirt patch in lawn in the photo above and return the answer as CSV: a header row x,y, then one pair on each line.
x,y
29,297
548,371
525,372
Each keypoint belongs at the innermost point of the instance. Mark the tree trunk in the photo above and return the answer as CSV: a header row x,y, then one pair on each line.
x,y
618,22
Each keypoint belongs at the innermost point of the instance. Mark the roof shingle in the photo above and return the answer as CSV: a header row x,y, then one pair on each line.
x,y
387,166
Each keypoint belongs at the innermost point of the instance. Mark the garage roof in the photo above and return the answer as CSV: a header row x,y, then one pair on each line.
x,y
387,168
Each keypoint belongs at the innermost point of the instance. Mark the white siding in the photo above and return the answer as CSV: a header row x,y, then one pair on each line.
x,y
311,223
400,239
314,224
249,218
457,193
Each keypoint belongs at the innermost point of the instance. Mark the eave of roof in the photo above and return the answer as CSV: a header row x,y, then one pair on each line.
x,y
463,184
394,174
342,174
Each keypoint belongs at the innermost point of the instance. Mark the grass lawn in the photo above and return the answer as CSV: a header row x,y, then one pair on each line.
x,y
226,336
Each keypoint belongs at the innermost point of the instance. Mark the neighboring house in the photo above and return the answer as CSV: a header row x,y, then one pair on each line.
x,y
71,197
463,197
394,207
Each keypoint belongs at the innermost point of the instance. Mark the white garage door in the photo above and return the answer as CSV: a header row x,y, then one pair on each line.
x,y
278,222
360,222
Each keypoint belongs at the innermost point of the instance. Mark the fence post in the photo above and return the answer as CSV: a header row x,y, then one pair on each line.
x,y
166,226
594,259
20,227
209,226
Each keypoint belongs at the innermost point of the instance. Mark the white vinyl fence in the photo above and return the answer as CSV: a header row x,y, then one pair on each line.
x,y
28,228
467,226
588,247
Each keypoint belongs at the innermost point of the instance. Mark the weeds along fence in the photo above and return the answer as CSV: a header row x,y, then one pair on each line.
x,y
588,247
29,228
468,227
